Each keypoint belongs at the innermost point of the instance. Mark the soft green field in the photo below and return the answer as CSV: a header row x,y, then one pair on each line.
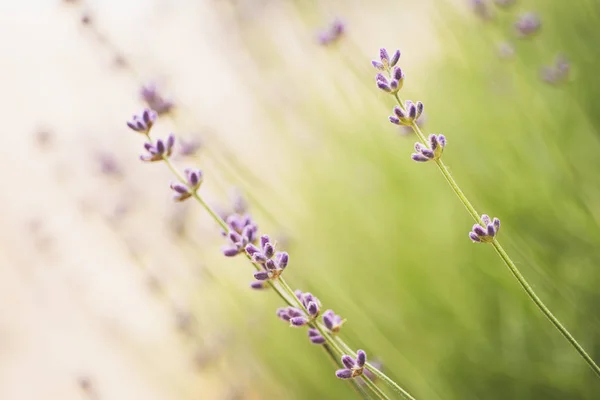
x,y
383,240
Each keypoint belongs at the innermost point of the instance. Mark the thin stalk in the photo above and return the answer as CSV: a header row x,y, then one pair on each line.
x,y
277,290
505,257
377,372
376,389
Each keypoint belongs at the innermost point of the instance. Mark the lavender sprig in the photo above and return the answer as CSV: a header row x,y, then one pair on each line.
x,y
486,230
303,308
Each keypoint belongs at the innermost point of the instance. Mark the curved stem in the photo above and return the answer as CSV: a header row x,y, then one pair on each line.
x,y
505,257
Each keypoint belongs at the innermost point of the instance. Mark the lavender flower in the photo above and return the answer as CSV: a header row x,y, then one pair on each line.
x,y
434,152
310,303
481,9
159,150
259,285
273,263
193,179
487,232
294,316
143,122
333,33
558,73
332,321
504,3
527,24
408,114
315,337
395,79
154,100
354,366
243,231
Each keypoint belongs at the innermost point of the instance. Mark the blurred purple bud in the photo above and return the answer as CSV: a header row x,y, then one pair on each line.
x,y
478,230
179,188
497,224
486,219
344,373
313,309
230,251
428,153
298,321
491,231
282,313
395,58
170,142
384,86
361,358
258,285
348,361
433,142
399,112
251,250
474,237
283,259
378,65
442,140
412,111
317,340
261,275
394,120
264,239
419,157
383,56
328,319
270,265
268,250
397,74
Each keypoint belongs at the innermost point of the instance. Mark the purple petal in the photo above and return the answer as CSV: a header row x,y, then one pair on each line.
x,y
478,230
230,251
261,275
344,373
474,237
378,65
419,157
298,321
348,361
361,358
395,58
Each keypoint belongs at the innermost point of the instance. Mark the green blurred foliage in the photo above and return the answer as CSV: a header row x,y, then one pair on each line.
x,y
383,240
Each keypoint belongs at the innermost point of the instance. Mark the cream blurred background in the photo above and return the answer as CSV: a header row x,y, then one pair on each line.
x,y
95,293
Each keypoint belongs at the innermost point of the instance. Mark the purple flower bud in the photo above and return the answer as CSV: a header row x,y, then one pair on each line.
x,y
420,108
258,285
313,309
497,224
259,258
270,265
179,188
442,140
264,239
478,230
474,237
312,332
328,319
282,313
268,250
317,340
348,361
384,86
361,358
344,373
394,120
378,65
235,237
394,85
148,146
251,250
170,142
230,251
412,112
428,153
486,219
399,112
383,56
419,157
261,275
395,58
160,146
491,231
298,321
397,74
381,78
282,259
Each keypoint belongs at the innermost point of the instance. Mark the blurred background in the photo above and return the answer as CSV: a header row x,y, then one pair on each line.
x,y
112,291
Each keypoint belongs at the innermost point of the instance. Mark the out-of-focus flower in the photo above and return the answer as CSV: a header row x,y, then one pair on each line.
x,y
155,100
557,73
273,263
182,191
143,122
528,24
333,33
408,114
242,232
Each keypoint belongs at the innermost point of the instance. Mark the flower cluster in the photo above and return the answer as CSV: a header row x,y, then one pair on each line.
x,y
527,24
294,316
487,232
159,150
354,366
242,232
332,322
309,302
395,80
143,122
333,33
557,73
407,115
434,152
272,263
154,100
193,178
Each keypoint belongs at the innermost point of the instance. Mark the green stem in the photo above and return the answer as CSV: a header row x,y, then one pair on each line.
x,y
289,302
376,389
505,257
